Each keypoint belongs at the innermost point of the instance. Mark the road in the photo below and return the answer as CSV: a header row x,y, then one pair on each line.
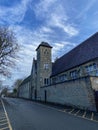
x,y
27,115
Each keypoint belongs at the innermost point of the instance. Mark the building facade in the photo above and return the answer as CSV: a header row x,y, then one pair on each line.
x,y
71,79
25,88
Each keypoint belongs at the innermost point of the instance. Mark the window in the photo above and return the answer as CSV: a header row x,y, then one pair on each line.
x,y
94,66
90,67
62,77
46,81
46,66
45,52
74,74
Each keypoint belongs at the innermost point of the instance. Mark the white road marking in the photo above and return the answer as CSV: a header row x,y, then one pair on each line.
x,y
3,120
92,116
10,127
4,123
71,111
84,114
77,112
49,107
4,128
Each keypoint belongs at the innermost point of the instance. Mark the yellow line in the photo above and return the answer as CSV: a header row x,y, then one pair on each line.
x,y
10,127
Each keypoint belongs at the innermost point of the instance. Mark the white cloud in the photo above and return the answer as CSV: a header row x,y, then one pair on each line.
x,y
46,30
42,8
15,13
86,8
61,22
61,48
54,15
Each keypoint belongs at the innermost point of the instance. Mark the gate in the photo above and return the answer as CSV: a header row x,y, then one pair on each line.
x,y
35,93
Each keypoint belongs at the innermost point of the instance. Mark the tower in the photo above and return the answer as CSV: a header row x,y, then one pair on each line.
x,y
44,64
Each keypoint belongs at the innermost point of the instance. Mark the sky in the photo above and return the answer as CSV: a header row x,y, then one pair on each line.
x,y
64,24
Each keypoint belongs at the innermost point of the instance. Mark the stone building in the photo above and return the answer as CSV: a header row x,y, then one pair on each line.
x,y
71,79
25,88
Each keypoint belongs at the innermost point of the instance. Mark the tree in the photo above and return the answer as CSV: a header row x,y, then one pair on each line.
x,y
17,83
0,85
16,86
8,49
4,91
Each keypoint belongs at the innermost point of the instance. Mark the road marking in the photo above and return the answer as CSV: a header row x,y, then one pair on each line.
x,y
49,107
3,123
92,116
84,114
10,127
2,116
77,112
4,128
3,120
71,111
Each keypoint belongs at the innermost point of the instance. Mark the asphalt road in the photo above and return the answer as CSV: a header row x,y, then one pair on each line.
x,y
28,115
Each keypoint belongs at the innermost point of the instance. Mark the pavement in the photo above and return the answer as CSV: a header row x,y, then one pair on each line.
x,y
23,114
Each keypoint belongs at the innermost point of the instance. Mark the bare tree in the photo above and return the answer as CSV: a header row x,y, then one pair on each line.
x,y
0,85
8,49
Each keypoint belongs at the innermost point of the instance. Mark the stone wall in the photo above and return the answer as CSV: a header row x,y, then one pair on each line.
x,y
77,93
94,82
24,90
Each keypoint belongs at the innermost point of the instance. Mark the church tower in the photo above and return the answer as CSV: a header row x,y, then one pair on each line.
x,y
44,64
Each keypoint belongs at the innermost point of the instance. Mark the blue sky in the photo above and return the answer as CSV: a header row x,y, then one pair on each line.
x,y
62,23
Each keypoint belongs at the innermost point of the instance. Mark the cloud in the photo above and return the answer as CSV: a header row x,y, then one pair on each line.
x,y
61,48
86,8
43,8
15,13
54,15
61,22
51,16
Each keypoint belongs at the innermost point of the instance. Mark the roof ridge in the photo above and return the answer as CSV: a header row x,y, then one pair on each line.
x,y
79,45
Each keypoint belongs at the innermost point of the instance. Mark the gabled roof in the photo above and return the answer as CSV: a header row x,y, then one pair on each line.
x,y
26,80
44,44
83,53
34,65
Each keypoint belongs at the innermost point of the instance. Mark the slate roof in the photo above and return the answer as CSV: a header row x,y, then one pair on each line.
x,y
44,44
26,80
86,51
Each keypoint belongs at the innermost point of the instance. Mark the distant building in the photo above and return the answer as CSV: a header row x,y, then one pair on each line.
x,y
71,79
